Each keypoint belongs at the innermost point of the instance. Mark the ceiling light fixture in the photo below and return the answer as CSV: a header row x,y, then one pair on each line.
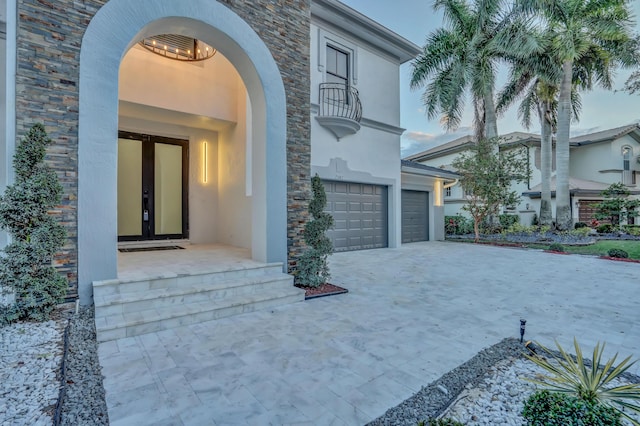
x,y
178,47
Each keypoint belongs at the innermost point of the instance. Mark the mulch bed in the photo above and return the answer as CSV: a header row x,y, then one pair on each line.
x,y
321,291
620,259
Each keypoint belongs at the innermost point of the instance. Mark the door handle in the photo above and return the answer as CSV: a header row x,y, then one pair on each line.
x,y
145,203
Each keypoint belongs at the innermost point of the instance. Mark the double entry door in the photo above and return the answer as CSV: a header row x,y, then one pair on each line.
x,y
152,187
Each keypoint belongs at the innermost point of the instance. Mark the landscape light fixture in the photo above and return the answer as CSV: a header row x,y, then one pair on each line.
x,y
523,322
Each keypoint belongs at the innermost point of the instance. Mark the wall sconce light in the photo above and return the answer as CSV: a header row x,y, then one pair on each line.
x,y
438,188
205,174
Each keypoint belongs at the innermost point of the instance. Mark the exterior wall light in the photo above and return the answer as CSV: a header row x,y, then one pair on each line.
x,y
205,172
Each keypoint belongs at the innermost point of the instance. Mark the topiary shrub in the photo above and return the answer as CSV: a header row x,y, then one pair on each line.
x,y
557,247
557,409
619,253
312,267
25,269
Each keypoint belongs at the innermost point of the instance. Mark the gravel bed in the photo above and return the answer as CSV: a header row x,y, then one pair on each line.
x,y
531,237
83,402
489,389
30,357
31,374
433,399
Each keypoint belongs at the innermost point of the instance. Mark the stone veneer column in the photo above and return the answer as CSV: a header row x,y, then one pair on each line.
x,y
49,41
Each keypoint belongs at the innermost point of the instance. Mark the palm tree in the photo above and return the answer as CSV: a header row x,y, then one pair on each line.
x,y
464,56
600,29
534,80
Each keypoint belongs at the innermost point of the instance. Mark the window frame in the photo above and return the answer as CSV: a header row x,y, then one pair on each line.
x,y
627,173
328,39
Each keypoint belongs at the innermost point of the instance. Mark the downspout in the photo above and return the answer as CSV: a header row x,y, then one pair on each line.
x,y
528,165
450,184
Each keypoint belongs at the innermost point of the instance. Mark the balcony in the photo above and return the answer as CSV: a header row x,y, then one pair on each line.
x,y
340,109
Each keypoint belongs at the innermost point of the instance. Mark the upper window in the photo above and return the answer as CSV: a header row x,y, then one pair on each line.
x,y
337,66
627,178
447,192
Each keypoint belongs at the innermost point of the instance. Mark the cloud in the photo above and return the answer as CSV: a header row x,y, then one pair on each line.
x,y
418,136
416,141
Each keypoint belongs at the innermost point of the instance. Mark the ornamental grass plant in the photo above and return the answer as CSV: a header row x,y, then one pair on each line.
x,y
594,384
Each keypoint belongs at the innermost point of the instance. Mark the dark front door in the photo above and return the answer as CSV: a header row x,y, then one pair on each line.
x,y
152,187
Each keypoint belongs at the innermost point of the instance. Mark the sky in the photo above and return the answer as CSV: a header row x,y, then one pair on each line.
x,y
415,19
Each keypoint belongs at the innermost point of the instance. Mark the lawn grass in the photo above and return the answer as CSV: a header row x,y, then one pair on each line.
x,y
599,248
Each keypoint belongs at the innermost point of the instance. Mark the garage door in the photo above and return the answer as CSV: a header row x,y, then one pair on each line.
x,y
360,215
415,216
588,210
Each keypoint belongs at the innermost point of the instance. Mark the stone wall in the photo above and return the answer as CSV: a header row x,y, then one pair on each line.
x,y
49,41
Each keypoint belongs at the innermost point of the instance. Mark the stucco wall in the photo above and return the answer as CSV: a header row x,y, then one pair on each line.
x,y
372,155
233,208
206,88
602,162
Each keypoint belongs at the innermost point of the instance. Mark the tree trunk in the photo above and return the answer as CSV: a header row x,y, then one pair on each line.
x,y
563,201
544,112
476,228
491,120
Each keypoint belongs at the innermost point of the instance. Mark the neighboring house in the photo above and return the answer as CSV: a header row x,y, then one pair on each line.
x,y
597,161
219,150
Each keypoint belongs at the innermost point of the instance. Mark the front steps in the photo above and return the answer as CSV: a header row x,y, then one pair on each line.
x,y
125,308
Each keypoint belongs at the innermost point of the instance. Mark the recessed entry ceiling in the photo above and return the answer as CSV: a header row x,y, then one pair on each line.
x,y
151,113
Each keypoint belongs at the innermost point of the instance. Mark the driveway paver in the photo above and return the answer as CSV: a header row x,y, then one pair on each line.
x,y
411,314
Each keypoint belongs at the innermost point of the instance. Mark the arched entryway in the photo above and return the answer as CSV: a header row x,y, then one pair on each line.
x,y
112,32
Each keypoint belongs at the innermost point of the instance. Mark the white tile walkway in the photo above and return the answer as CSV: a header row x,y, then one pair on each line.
x,y
412,314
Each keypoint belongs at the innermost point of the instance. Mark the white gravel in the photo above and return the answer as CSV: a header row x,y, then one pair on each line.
x,y
30,357
500,397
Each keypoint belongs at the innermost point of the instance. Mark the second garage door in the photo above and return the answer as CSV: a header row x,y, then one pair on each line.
x,y
415,216
360,215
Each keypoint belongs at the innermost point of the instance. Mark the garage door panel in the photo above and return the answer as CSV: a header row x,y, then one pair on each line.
x,y
360,215
415,216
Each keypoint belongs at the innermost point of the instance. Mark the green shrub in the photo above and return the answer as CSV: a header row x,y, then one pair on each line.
x,y
581,232
534,220
26,268
632,230
518,228
557,409
506,220
619,253
312,266
557,247
590,384
457,225
605,228
579,225
543,229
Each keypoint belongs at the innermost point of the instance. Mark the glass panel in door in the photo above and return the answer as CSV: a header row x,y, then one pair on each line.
x,y
168,189
129,187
